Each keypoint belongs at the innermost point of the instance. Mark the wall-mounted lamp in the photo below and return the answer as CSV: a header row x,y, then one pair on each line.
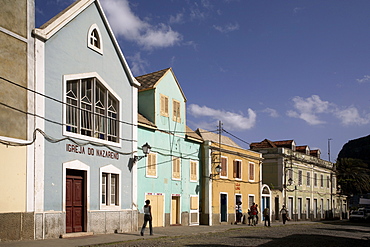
x,y
290,181
217,170
146,150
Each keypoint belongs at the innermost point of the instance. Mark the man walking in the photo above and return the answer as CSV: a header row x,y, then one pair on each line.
x,y
266,215
284,213
254,214
147,218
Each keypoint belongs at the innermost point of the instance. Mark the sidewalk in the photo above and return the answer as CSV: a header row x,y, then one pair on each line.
x,y
119,237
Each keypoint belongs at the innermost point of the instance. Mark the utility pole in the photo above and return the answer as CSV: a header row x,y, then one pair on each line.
x,y
329,148
331,182
219,141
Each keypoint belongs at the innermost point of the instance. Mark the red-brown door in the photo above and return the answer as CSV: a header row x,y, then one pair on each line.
x,y
74,203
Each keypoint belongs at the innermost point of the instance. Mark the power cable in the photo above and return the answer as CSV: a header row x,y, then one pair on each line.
x,y
78,108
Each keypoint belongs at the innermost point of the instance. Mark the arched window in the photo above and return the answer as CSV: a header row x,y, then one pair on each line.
x,y
94,40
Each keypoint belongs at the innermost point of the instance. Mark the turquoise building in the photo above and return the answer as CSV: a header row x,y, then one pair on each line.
x,y
170,174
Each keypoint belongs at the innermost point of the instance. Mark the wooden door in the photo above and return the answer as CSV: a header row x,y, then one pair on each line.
x,y
157,203
175,210
74,203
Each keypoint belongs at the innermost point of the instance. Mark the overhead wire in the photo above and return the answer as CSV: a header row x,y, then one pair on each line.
x,y
78,108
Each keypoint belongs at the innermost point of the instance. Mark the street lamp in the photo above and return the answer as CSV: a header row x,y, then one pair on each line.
x,y
146,150
217,170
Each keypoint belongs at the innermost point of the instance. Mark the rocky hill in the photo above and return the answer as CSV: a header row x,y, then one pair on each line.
x,y
357,149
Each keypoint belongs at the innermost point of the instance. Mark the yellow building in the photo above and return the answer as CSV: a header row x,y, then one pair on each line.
x,y
231,174
16,76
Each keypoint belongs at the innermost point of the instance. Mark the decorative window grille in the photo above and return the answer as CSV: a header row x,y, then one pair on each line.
x,y
91,110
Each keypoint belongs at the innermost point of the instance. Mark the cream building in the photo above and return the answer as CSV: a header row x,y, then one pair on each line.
x,y
301,180
16,128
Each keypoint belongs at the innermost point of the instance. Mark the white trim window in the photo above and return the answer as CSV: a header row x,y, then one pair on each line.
x,y
176,115
327,182
223,167
94,40
91,110
299,177
151,166
308,179
163,105
176,168
193,171
110,186
237,169
251,172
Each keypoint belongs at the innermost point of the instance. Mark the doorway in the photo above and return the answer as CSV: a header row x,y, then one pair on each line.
x,y
75,201
277,208
175,210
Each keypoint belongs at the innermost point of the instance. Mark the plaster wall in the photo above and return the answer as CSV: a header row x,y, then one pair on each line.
x,y
66,53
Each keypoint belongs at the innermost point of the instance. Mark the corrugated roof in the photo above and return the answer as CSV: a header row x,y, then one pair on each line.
x,y
191,134
143,120
209,136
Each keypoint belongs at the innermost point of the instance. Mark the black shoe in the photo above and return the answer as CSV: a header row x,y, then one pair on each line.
x,y
142,234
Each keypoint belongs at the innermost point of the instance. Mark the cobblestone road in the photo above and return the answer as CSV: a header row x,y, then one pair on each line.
x,y
319,234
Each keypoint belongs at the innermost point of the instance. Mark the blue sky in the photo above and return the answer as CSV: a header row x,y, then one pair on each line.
x,y
278,70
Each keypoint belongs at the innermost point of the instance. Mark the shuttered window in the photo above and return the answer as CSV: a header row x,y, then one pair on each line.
x,y
176,169
223,166
251,171
193,171
299,177
176,111
151,168
237,169
164,105
308,179
194,204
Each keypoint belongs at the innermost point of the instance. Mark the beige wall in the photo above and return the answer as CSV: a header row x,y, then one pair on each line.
x,y
12,179
13,16
13,67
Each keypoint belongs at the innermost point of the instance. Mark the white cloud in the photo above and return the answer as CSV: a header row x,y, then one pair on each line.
x,y
364,79
307,109
179,18
272,112
231,120
227,28
351,116
125,23
137,64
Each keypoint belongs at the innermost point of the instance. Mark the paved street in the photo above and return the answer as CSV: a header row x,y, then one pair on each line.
x,y
316,234
333,233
